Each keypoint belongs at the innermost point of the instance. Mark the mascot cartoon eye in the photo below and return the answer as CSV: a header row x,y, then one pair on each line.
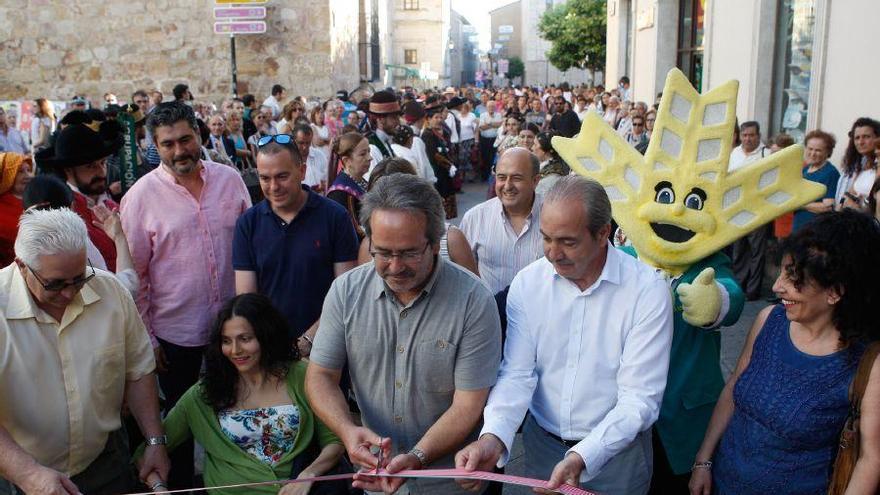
x,y
665,194
695,199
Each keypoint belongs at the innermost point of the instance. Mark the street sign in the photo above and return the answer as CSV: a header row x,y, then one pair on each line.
x,y
243,27
505,29
227,2
239,13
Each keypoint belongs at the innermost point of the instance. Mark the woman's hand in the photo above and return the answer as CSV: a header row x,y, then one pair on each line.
x,y
108,221
701,482
296,488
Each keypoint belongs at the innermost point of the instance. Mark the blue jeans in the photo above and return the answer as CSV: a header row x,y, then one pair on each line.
x,y
627,473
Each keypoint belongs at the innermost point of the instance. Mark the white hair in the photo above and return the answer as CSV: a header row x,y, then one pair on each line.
x,y
47,233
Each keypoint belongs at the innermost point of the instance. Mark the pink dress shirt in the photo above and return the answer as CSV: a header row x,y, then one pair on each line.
x,y
182,250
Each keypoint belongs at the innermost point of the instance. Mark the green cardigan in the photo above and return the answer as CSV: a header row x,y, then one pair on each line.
x,y
225,462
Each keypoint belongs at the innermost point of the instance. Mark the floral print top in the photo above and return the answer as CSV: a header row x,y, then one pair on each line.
x,y
266,433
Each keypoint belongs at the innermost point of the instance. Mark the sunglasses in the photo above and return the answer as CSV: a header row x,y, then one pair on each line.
x,y
59,285
277,138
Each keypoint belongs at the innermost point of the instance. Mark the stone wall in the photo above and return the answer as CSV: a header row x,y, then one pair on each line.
x,y
57,49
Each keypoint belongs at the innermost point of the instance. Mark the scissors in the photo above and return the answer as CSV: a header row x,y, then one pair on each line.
x,y
377,451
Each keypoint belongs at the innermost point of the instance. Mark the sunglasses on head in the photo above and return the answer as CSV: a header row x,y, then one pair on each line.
x,y
278,138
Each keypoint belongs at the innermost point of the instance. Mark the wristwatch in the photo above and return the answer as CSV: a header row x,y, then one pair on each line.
x,y
420,455
160,440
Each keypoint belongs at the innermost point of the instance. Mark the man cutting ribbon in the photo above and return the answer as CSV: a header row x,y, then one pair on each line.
x,y
587,353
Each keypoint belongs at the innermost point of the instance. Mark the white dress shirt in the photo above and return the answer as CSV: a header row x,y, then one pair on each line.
x,y
316,167
417,157
589,365
500,252
450,122
739,158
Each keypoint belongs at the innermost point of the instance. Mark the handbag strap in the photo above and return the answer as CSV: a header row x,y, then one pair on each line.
x,y
860,382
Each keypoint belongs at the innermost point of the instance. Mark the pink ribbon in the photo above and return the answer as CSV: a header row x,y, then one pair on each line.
x,y
426,473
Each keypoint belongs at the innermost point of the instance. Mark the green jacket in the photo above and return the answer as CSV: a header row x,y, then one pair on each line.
x,y
225,462
695,381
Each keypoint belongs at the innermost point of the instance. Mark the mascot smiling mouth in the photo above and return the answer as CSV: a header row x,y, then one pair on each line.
x,y
672,233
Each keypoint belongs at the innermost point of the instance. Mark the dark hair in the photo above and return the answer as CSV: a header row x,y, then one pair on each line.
x,y
388,166
872,201
624,80
543,140
841,251
170,113
277,89
76,117
220,378
751,124
139,92
852,159
403,134
248,100
532,127
305,129
48,191
274,147
179,91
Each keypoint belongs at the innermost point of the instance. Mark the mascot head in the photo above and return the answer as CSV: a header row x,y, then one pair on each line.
x,y
678,203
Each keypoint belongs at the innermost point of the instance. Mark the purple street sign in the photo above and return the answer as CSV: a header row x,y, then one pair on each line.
x,y
243,27
239,13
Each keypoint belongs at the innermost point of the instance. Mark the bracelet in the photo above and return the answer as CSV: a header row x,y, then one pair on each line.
x,y
707,465
158,484
308,339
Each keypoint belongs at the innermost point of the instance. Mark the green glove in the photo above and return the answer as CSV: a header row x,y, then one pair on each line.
x,y
700,300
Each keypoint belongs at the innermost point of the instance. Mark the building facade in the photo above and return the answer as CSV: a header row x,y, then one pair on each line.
x,y
801,64
538,70
57,51
463,51
415,42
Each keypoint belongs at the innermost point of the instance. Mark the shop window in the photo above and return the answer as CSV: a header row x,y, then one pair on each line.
x,y
791,67
410,57
690,40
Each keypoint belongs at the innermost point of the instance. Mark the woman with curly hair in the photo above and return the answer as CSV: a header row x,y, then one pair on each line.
x,y
776,426
249,410
859,164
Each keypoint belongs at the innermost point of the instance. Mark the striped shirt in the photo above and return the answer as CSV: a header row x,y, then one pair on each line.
x,y
500,252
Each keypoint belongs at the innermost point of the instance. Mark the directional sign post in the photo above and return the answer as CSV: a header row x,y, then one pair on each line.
x,y
240,27
239,13
238,17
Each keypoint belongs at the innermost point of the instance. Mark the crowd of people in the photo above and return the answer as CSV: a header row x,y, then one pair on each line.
x,y
282,286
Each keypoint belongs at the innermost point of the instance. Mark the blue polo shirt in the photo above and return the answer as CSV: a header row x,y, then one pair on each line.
x,y
294,262
827,175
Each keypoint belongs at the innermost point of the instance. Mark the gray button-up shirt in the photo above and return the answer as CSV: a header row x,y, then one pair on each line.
x,y
407,361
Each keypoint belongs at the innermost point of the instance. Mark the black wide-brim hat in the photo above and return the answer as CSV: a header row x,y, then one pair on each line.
x,y
455,102
76,145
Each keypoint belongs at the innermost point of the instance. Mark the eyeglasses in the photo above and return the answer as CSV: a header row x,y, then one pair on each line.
x,y
411,256
638,124
59,285
278,138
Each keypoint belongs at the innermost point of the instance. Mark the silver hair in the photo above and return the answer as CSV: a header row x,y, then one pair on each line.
x,y
589,193
47,233
409,193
